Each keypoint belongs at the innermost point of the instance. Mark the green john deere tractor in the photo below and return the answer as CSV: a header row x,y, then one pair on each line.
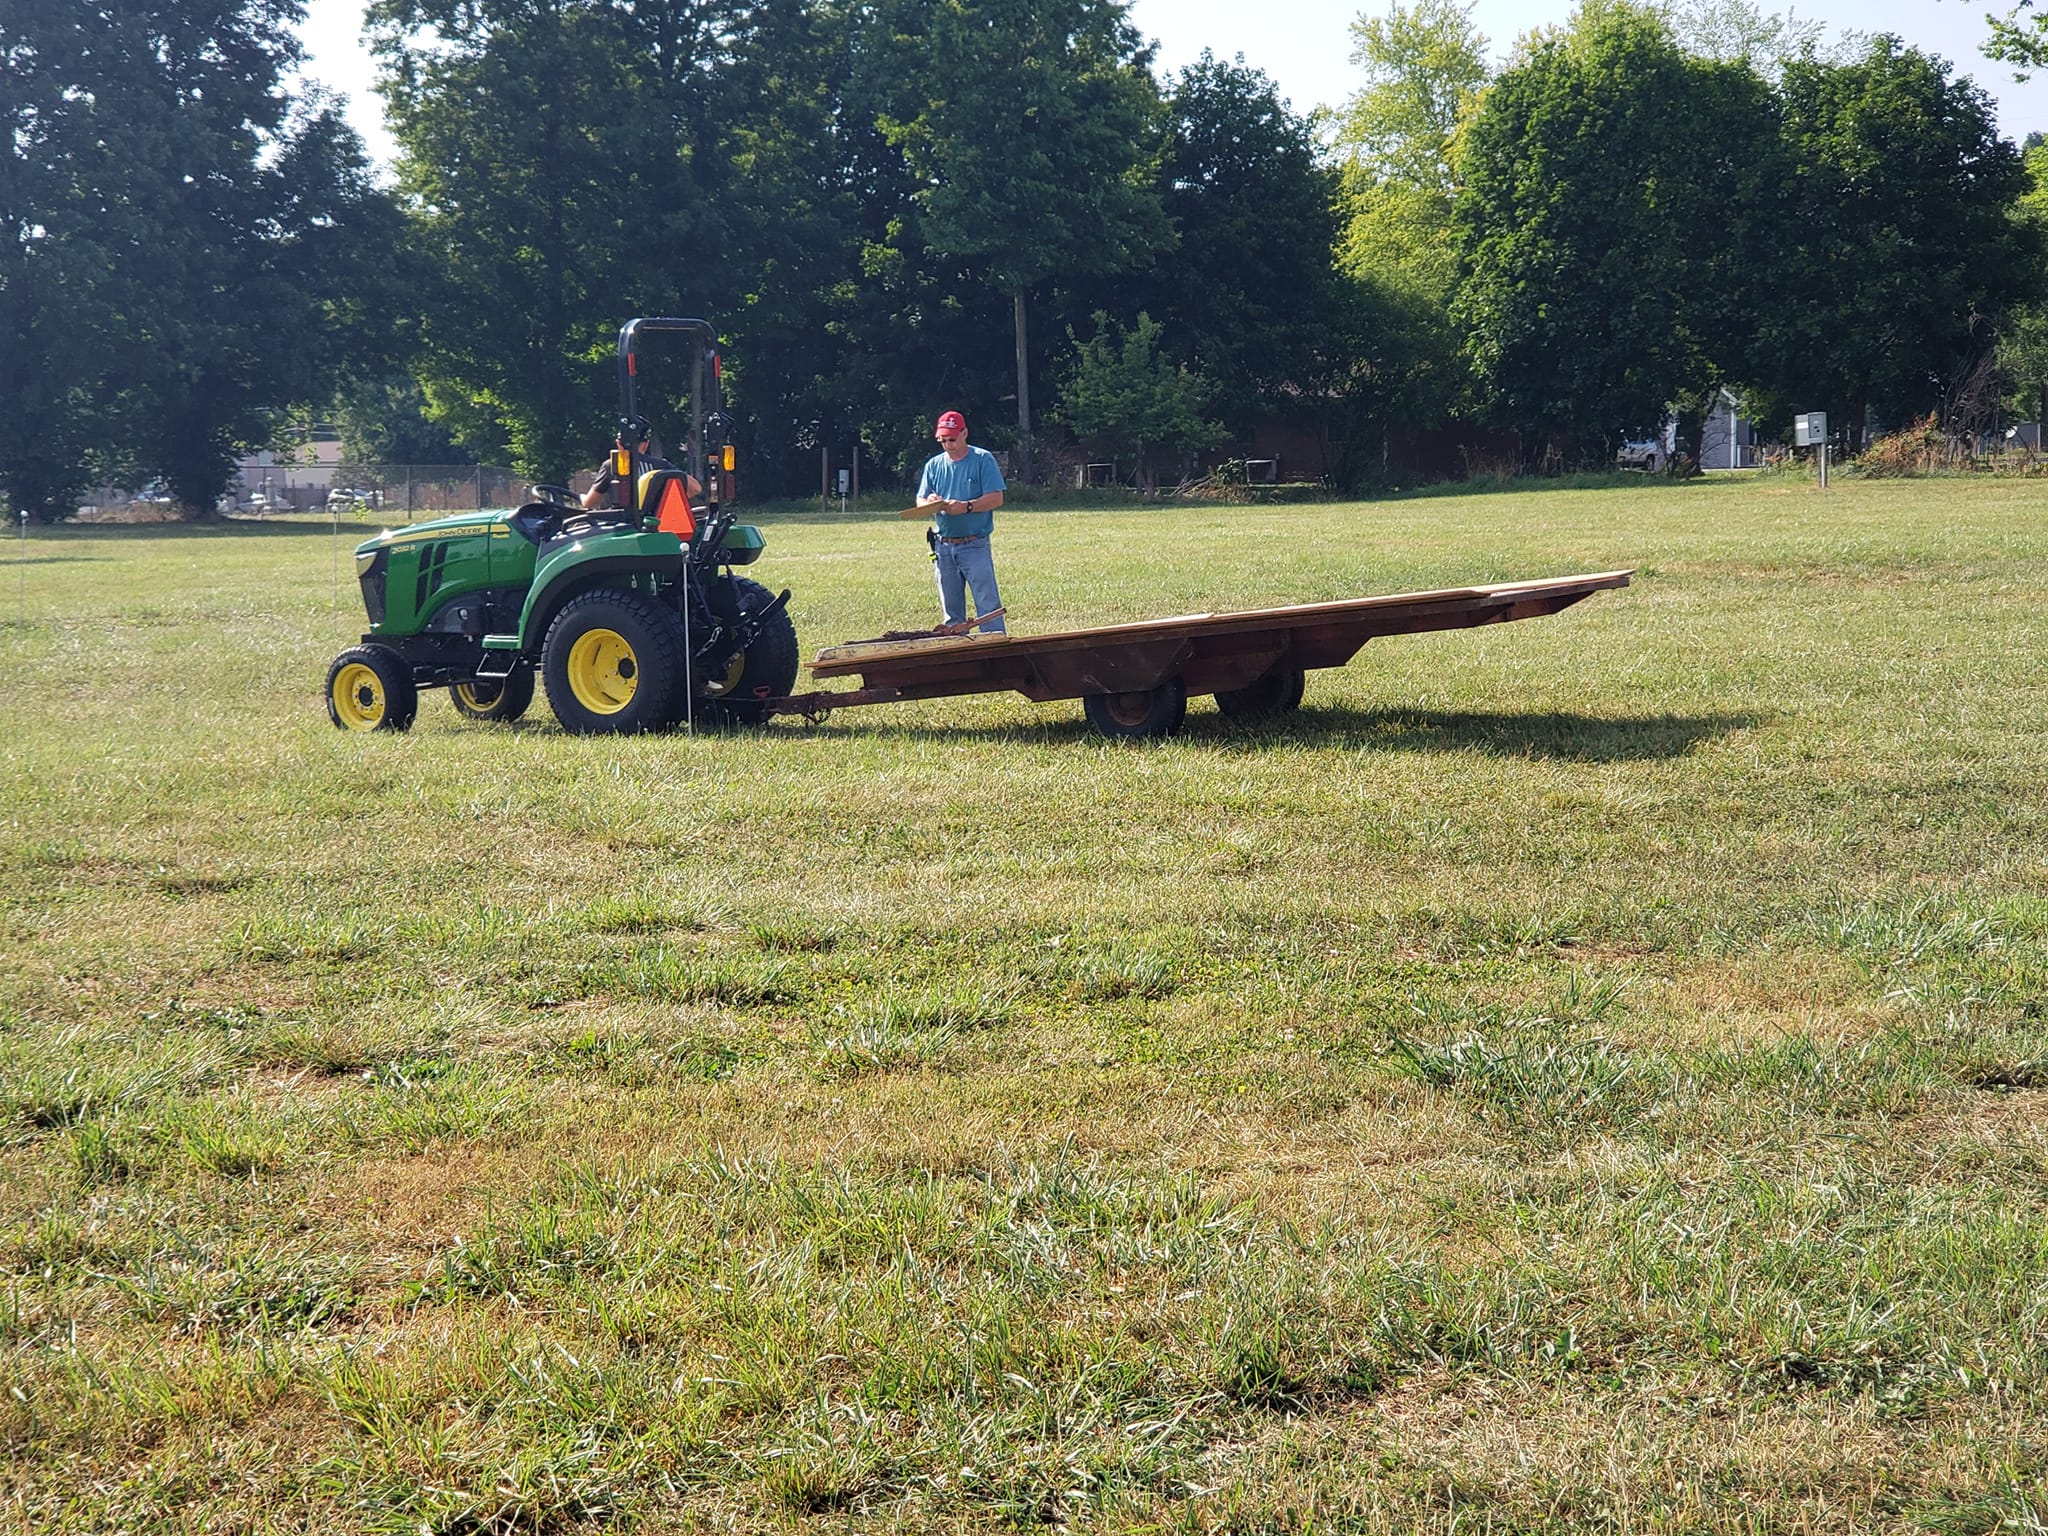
x,y
631,613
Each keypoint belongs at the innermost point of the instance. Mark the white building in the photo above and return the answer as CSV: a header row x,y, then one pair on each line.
x,y
1727,437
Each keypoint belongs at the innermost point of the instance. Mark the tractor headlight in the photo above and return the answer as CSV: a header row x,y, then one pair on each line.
x,y
370,568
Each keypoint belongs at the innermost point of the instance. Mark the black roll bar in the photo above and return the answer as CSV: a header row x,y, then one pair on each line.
x,y
629,333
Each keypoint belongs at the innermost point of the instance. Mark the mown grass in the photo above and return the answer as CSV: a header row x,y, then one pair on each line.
x,y
1581,1075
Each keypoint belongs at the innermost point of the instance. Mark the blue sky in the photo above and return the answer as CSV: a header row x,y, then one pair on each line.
x,y
1305,45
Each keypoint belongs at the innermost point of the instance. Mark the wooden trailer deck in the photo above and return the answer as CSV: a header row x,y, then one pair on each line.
x,y
1136,677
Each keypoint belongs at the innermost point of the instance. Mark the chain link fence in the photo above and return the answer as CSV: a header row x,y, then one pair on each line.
x,y
388,493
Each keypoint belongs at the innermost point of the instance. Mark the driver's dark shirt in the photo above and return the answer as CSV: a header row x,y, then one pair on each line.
x,y
607,480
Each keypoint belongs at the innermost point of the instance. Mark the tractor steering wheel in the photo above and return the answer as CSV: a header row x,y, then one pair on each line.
x,y
555,495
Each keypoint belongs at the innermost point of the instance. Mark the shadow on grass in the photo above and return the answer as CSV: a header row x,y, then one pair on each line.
x,y
1558,734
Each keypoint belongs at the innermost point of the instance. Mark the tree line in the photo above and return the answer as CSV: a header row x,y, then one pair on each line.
x,y
887,206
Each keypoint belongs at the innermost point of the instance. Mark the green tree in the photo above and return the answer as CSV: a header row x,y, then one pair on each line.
x,y
1741,32
548,155
571,163
804,168
1249,297
1900,249
185,254
1397,141
385,421
2019,38
61,250
268,286
1424,67
1025,125
1616,202
1128,397
2023,344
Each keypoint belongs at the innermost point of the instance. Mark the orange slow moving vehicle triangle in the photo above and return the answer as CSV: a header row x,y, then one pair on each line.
x,y
672,512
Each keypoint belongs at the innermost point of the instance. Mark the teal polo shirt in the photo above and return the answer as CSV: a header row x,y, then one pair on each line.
x,y
972,477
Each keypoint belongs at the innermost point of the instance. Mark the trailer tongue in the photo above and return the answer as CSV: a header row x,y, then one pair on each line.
x,y
1135,679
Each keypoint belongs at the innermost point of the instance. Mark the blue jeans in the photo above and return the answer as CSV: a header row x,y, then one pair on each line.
x,y
968,566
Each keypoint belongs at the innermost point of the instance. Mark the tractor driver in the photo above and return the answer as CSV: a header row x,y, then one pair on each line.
x,y
640,433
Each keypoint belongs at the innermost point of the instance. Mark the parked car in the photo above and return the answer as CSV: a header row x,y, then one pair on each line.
x,y
1645,454
347,498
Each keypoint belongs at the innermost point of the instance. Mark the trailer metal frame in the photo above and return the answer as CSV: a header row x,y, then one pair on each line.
x,y
1258,651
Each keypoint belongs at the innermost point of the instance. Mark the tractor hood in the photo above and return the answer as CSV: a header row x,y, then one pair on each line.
x,y
441,527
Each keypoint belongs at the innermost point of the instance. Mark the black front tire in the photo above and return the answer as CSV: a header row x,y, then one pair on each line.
x,y
1274,694
1138,714
490,698
764,670
370,688
613,662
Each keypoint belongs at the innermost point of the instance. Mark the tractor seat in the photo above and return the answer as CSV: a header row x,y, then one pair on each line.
x,y
665,496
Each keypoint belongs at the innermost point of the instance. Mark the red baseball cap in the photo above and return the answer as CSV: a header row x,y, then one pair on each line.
x,y
951,421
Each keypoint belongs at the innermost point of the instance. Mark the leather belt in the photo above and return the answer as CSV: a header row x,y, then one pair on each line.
x,y
967,538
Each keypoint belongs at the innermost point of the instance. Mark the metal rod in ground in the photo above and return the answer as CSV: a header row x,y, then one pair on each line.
x,y
335,545
23,584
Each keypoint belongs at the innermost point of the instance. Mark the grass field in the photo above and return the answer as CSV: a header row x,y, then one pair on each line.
x,y
1580,1075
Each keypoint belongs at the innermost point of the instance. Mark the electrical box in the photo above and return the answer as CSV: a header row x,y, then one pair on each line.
x,y
1810,430
845,481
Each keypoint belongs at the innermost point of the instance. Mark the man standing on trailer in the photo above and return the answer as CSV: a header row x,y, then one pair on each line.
x,y
963,486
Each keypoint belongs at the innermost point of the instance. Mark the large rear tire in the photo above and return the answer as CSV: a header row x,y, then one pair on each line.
x,y
614,665
1274,694
490,698
370,688
1140,713
764,670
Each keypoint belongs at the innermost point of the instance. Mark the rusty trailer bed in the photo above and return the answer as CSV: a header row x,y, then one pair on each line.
x,y
1132,674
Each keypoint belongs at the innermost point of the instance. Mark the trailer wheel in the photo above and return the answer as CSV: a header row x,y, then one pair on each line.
x,y
491,698
1274,694
1142,712
613,662
370,688
770,663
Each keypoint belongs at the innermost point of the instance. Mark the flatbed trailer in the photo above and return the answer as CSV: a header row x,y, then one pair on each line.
x,y
1135,679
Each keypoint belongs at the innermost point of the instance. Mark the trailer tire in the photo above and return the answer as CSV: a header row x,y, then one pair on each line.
x,y
1274,694
614,664
370,688
769,664
1143,712
490,698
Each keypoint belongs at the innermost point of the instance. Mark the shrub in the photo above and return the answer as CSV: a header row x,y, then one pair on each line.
x,y
1921,448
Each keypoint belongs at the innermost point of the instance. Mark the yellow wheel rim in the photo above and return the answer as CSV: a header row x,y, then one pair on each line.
x,y
478,699
603,672
719,687
359,700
